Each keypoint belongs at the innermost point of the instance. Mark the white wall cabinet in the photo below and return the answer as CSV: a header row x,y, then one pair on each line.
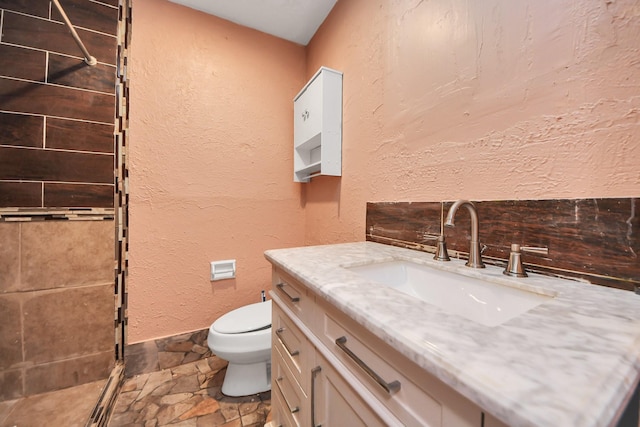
x,y
317,127
328,370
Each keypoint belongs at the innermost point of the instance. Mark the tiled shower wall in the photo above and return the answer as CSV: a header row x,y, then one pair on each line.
x,y
57,162
56,112
56,304
595,240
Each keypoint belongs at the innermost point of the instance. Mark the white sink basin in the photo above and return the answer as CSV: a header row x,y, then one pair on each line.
x,y
484,302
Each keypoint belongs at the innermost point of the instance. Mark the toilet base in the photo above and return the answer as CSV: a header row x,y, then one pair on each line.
x,y
247,379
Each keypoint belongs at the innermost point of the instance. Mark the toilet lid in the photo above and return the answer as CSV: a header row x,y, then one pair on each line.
x,y
249,318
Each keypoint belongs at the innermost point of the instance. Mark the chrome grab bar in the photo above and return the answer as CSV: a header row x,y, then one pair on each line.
x,y
390,388
281,287
279,332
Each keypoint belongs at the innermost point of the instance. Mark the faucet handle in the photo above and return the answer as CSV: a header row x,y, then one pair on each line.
x,y
542,250
514,266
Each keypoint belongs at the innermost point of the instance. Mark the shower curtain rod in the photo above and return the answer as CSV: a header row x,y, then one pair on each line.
x,y
87,57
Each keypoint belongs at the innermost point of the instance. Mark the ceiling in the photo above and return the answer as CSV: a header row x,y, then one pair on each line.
x,y
293,20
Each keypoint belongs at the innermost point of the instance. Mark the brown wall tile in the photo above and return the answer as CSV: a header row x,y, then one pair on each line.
x,y
11,384
73,72
58,254
22,63
67,253
36,86
9,256
81,136
141,358
78,195
67,323
38,98
94,16
50,165
21,130
54,36
68,373
36,8
23,194
10,331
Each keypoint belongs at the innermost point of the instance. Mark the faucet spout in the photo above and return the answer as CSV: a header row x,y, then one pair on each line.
x,y
475,257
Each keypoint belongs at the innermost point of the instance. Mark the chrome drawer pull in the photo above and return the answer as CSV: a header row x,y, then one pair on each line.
x,y
281,287
314,372
279,332
286,401
390,388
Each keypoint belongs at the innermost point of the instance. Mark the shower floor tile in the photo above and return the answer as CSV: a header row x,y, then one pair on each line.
x,y
70,407
187,396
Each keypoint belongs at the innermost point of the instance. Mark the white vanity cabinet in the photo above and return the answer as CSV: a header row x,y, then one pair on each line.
x,y
317,127
329,370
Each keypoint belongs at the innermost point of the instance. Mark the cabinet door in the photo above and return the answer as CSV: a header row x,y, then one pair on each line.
x,y
307,110
335,403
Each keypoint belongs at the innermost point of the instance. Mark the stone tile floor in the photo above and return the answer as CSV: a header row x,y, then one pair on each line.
x,y
187,396
184,396
70,407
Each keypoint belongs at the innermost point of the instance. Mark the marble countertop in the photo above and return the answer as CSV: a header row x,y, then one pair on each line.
x,y
571,361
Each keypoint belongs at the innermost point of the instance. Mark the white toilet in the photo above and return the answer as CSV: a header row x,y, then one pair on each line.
x,y
243,338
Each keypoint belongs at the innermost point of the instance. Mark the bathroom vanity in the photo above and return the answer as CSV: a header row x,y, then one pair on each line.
x,y
351,349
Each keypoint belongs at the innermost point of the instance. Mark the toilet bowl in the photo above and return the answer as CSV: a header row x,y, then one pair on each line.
x,y
243,338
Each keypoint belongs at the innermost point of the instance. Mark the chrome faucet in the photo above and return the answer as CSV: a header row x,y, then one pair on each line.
x,y
475,256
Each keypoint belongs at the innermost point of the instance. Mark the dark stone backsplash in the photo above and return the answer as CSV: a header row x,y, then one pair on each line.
x,y
596,240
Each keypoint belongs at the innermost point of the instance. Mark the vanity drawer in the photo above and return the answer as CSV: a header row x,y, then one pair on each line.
x,y
293,407
412,395
280,417
293,294
293,348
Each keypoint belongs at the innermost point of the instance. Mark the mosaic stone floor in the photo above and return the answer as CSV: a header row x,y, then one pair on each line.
x,y
187,396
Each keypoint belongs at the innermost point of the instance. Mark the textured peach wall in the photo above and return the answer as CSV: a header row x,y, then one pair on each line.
x,y
442,100
210,160
482,100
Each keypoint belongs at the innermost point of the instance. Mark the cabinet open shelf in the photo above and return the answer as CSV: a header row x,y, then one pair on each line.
x,y
309,172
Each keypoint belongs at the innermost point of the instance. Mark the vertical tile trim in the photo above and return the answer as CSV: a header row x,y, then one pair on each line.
x,y
121,195
23,370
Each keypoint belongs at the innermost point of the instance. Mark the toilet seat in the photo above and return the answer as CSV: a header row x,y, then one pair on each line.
x,y
250,318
